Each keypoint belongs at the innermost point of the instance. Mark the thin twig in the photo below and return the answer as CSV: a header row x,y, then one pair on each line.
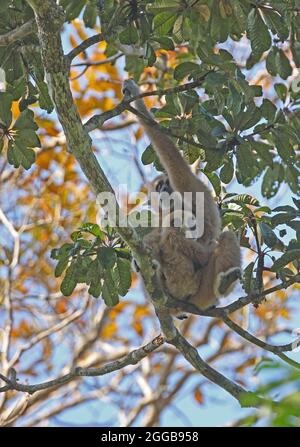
x,y
83,46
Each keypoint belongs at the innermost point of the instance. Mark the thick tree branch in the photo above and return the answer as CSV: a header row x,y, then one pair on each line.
x,y
17,33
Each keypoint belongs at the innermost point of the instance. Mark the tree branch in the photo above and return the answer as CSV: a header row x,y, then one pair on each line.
x,y
17,33
277,350
191,354
132,358
83,46
219,312
97,120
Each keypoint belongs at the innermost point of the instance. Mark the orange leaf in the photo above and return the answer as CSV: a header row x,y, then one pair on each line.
x,y
198,395
61,306
137,326
109,330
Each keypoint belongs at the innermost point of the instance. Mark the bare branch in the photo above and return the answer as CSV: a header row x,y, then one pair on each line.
x,y
131,359
83,46
47,332
97,63
277,350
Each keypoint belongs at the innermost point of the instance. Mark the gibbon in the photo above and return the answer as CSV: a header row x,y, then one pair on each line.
x,y
198,271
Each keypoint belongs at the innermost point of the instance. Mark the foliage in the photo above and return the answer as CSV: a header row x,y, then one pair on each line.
x,y
285,412
102,263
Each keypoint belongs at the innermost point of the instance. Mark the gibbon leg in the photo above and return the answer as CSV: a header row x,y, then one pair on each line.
x,y
152,241
218,276
198,252
227,263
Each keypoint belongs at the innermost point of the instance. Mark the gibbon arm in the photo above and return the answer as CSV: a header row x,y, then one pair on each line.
x,y
181,177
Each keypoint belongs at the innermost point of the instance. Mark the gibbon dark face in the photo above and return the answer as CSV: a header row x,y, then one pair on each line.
x,y
162,184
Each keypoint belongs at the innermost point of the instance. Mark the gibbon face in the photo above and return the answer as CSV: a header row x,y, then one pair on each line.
x,y
162,184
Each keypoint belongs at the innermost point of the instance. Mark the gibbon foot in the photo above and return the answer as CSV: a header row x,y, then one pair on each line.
x,y
227,279
130,89
155,264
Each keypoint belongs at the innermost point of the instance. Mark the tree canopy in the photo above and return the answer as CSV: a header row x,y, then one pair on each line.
x,y
221,78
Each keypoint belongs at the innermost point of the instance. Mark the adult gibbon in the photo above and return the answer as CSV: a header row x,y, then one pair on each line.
x,y
198,271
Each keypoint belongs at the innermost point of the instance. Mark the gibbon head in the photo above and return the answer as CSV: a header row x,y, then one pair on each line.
x,y
161,184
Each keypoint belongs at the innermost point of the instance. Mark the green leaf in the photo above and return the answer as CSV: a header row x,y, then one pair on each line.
x,y
245,162
271,62
18,88
284,66
163,22
150,55
284,218
45,102
166,43
285,259
93,277
284,146
90,15
93,229
268,110
70,280
234,100
215,181
129,36
272,180
148,155
243,199
61,266
258,34
248,280
95,288
227,172
19,155
73,8
246,120
109,291
276,23
5,108
185,69
277,63
27,137
107,257
263,151
163,5
25,121
269,237
124,276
